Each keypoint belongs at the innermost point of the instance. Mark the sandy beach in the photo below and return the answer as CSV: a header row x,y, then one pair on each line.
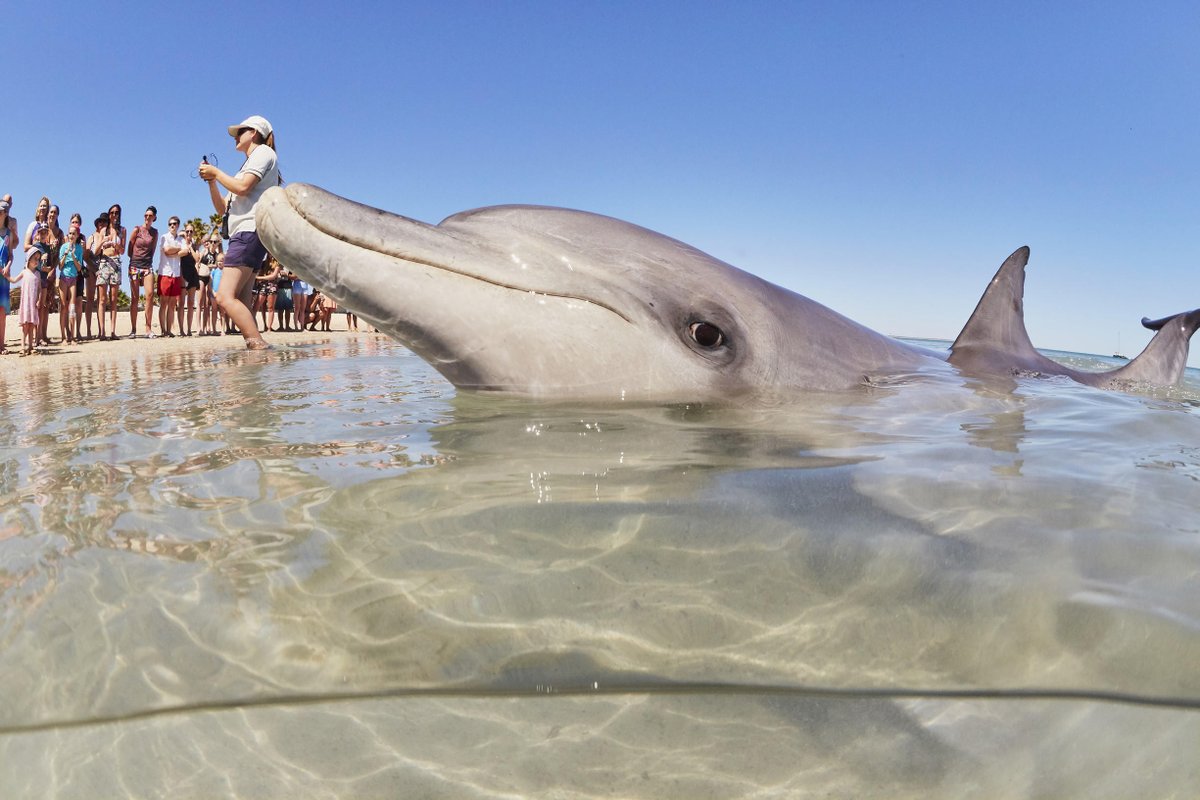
x,y
58,355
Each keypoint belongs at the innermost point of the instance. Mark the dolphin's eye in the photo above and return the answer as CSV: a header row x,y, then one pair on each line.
x,y
706,334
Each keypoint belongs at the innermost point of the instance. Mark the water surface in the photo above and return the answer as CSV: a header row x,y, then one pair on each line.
x,y
319,572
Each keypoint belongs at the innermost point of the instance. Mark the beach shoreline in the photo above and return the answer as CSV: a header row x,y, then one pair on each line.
x,y
60,354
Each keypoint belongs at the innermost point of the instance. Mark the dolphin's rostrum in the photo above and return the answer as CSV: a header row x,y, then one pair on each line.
x,y
554,303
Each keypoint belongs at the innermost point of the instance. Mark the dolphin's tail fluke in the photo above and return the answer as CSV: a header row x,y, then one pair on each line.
x,y
1164,359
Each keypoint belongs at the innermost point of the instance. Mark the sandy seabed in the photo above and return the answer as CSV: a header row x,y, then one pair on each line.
x,y
59,354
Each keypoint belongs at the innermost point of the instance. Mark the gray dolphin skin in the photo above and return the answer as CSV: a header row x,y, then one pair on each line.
x,y
554,303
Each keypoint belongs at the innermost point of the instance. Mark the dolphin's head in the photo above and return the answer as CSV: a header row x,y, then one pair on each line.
x,y
548,302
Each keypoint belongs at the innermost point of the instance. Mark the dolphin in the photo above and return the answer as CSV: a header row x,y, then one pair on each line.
x,y
561,304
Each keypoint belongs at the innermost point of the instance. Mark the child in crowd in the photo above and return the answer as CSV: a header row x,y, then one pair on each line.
x,y
321,309
30,280
71,268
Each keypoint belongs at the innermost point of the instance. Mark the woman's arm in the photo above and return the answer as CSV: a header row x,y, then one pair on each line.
x,y
239,184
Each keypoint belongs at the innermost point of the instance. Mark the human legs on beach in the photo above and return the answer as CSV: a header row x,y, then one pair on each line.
x,y
108,283
101,308
66,310
169,292
300,301
110,296
235,298
87,301
148,281
236,294
204,303
45,305
135,295
189,300
260,306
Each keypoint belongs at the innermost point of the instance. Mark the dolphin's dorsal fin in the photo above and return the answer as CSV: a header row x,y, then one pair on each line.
x,y
997,325
1164,359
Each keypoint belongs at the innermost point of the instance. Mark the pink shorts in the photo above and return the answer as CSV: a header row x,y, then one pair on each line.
x,y
170,287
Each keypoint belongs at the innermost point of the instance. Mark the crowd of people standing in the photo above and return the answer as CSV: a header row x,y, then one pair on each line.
x,y
178,271
173,279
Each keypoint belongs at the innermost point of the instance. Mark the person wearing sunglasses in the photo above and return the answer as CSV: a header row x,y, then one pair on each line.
x,y
254,138
142,244
170,277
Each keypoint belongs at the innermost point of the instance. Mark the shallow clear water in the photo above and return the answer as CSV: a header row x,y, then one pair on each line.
x,y
316,572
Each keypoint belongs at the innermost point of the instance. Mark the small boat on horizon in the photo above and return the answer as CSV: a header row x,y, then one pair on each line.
x,y
1117,353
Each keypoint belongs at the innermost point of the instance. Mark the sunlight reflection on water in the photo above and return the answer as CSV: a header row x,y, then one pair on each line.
x,y
319,572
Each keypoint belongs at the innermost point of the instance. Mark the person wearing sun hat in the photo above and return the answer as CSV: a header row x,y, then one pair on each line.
x,y
254,138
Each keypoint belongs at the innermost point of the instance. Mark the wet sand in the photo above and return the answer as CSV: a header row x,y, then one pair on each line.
x,y
58,354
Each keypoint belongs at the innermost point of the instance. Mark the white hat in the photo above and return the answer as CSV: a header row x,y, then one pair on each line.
x,y
256,122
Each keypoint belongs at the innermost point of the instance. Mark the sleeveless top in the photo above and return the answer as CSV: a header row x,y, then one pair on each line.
x,y
142,245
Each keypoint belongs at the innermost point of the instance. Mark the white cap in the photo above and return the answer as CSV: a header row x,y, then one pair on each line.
x,y
256,122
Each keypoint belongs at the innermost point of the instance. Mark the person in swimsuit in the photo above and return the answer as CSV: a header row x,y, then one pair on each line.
x,y
300,293
49,272
143,242
86,271
70,258
265,291
204,271
108,268
191,279
39,219
7,241
283,300
86,295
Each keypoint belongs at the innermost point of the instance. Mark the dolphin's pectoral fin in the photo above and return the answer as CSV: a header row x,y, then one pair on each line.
x,y
995,338
1163,361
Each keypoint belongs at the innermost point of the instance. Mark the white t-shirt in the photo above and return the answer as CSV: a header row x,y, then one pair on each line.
x,y
263,163
168,266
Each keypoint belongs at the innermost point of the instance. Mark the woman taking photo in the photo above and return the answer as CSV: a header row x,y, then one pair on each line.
x,y
256,140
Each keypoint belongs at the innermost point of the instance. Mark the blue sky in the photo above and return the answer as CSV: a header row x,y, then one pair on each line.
x,y
880,158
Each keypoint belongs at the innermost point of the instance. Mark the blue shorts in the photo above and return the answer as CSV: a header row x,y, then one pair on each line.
x,y
245,250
